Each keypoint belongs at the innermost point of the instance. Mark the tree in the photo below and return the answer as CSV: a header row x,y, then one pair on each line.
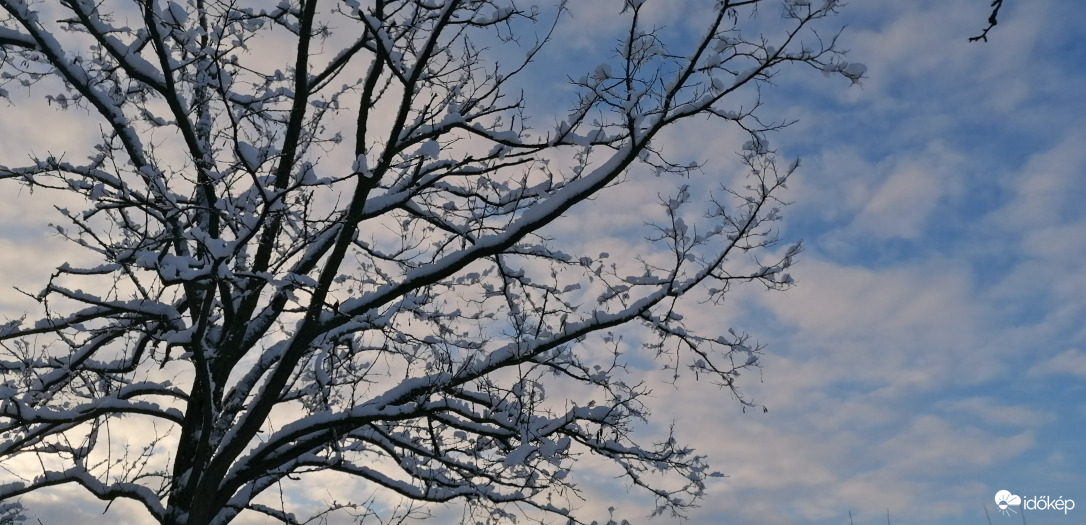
x,y
344,265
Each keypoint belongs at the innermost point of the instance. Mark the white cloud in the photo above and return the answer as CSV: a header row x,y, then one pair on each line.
x,y
1050,188
993,411
932,445
1068,362
818,459
918,306
899,197
902,205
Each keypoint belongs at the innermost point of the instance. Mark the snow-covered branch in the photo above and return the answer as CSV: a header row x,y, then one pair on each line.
x,y
345,259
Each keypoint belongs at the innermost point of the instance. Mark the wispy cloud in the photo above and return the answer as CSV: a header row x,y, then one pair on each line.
x,y
932,351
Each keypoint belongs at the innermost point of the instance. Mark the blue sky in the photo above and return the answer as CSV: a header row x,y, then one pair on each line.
x,y
934,350
932,353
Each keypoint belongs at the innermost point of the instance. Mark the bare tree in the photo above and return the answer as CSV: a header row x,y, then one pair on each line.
x,y
343,264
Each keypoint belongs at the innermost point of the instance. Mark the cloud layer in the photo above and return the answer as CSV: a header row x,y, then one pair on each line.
x,y
934,349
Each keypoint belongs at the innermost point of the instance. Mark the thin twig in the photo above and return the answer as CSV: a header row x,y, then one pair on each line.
x,y
992,21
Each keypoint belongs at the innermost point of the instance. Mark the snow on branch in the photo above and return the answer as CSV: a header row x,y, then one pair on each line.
x,y
335,239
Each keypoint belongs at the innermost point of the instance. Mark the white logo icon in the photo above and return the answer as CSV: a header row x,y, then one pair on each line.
x,y
1004,500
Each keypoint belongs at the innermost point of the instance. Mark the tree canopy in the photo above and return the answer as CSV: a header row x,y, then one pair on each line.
x,y
323,244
